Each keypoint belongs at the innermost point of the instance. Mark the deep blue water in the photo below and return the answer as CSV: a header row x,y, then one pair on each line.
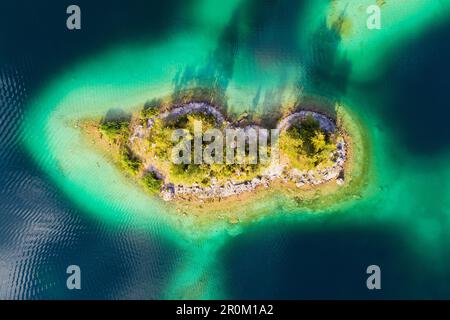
x,y
325,258
42,232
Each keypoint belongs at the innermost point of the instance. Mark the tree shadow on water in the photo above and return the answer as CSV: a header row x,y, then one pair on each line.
x,y
326,69
209,82
116,114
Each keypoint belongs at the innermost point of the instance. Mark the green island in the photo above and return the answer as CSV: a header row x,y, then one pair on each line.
x,y
312,154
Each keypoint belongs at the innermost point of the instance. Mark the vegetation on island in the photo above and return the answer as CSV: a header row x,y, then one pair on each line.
x,y
161,144
307,145
151,109
152,182
129,160
115,129
118,132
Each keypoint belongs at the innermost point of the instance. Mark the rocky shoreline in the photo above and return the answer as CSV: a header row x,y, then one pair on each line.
x,y
274,172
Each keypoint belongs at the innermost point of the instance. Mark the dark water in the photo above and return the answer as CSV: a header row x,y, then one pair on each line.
x,y
418,85
41,232
326,258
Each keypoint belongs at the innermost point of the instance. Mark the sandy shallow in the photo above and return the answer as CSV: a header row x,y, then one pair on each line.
x,y
261,201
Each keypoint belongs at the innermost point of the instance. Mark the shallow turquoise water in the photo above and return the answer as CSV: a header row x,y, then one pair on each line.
x,y
61,197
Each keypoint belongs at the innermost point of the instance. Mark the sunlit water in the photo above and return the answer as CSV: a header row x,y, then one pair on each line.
x,y
62,203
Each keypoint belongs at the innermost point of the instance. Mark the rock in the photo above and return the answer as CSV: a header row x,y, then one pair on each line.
x,y
167,196
330,175
324,122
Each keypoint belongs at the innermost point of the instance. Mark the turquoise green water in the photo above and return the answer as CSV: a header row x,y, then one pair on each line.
x,y
259,70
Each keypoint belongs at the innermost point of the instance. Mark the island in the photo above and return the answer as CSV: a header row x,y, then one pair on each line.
x,y
304,153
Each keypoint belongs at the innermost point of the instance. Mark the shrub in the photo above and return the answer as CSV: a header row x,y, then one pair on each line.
x,y
115,129
150,109
130,161
151,182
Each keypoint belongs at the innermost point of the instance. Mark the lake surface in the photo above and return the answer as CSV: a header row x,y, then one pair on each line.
x,y
47,221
